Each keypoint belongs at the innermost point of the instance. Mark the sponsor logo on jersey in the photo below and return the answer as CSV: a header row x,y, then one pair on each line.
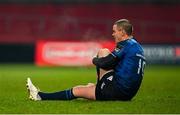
x,y
110,78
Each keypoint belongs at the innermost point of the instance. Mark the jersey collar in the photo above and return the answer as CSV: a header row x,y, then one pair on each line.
x,y
123,43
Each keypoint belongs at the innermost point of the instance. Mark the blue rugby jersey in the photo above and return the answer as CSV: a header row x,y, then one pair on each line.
x,y
130,67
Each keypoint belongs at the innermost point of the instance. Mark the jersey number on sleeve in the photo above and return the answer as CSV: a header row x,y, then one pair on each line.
x,y
142,64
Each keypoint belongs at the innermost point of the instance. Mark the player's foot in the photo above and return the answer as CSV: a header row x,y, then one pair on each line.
x,y
33,91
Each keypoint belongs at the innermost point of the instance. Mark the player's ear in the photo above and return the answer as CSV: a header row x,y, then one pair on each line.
x,y
123,32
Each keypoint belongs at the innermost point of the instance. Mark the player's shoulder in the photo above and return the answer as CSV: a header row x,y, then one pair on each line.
x,y
135,46
132,43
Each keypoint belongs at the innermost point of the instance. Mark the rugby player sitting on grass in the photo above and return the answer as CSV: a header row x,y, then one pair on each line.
x,y
119,72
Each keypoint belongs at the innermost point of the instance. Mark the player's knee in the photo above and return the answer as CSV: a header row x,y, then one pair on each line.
x,y
103,52
85,91
90,84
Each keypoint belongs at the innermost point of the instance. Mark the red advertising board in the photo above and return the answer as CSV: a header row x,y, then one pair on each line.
x,y
56,53
177,52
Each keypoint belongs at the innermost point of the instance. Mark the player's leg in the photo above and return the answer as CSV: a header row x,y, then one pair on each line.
x,y
89,90
104,87
35,94
102,53
84,91
81,91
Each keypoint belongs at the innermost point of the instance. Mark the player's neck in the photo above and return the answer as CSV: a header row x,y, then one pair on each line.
x,y
128,37
125,38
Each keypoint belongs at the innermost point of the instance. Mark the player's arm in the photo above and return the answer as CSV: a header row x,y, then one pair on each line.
x,y
106,63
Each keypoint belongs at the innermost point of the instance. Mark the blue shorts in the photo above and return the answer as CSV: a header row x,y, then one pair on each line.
x,y
106,89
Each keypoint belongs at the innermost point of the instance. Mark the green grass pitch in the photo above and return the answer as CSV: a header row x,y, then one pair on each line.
x,y
159,92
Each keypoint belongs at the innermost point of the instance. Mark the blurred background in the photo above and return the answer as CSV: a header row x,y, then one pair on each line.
x,y
23,23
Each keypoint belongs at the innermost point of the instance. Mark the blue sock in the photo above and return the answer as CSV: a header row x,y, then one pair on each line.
x,y
61,95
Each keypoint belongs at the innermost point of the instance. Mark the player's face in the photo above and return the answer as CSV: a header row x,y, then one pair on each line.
x,y
117,34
